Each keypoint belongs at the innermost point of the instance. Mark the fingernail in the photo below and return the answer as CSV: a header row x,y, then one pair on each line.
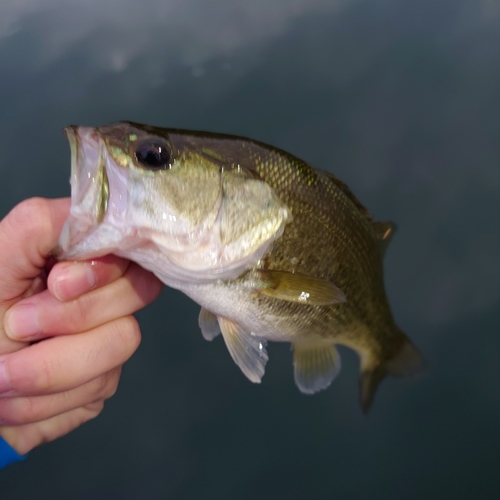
x,y
73,281
5,386
21,322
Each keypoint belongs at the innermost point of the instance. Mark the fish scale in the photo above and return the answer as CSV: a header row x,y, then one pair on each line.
x,y
270,247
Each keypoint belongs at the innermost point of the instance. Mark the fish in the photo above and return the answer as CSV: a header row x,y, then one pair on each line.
x,y
272,248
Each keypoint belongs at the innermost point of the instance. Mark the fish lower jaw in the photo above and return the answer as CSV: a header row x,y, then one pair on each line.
x,y
208,263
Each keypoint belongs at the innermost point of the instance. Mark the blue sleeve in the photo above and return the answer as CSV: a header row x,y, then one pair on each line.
x,y
8,454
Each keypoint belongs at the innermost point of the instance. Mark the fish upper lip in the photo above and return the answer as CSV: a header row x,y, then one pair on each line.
x,y
87,154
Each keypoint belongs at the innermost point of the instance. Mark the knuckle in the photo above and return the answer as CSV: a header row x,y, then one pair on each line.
x,y
27,207
39,378
129,333
111,391
79,313
106,387
101,387
29,411
26,221
8,414
94,409
30,212
112,387
28,378
19,411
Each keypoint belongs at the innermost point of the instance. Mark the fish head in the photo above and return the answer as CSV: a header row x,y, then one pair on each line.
x,y
157,197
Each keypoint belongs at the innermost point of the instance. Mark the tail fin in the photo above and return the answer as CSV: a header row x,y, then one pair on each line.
x,y
407,361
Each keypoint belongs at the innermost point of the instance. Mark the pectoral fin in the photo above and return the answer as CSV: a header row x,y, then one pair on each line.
x,y
300,288
315,366
248,352
208,324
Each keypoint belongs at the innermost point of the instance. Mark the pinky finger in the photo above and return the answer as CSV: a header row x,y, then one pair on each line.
x,y
24,438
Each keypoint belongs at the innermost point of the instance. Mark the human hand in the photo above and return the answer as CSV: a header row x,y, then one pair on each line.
x,y
79,318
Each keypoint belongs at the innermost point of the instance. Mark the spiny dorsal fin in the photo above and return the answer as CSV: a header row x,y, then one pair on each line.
x,y
248,351
345,189
296,287
315,365
384,231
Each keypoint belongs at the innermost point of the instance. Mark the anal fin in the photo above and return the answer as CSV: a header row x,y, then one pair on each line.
x,y
315,365
248,351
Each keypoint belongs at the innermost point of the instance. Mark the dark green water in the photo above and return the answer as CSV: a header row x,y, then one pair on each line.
x,y
400,99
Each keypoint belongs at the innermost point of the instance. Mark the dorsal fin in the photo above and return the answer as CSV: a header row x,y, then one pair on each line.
x,y
384,231
343,187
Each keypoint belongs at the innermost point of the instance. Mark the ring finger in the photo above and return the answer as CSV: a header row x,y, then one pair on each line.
x,y
62,363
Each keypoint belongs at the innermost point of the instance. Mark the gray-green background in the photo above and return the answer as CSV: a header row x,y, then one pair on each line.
x,y
400,99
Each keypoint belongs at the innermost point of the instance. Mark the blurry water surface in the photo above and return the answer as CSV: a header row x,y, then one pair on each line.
x,y
400,99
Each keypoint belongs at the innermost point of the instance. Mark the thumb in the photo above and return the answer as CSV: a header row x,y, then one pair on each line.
x,y
27,236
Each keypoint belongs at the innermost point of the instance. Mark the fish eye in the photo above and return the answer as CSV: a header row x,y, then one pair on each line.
x,y
154,155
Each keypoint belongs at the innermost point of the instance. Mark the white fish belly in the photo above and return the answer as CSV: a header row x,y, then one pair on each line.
x,y
234,304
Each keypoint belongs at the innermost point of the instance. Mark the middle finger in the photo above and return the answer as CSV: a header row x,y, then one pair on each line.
x,y
42,315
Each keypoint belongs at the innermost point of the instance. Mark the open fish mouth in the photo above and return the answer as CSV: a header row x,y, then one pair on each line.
x,y
89,180
90,191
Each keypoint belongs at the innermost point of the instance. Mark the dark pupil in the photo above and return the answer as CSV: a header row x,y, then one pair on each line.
x,y
153,155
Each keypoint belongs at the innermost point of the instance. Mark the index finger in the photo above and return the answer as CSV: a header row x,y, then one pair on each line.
x,y
27,236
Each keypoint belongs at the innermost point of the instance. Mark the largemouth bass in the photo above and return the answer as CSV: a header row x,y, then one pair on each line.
x,y
271,248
